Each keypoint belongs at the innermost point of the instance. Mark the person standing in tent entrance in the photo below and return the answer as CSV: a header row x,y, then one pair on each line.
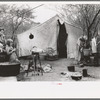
x,y
11,51
81,43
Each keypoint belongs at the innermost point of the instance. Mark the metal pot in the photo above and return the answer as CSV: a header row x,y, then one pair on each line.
x,y
71,68
76,76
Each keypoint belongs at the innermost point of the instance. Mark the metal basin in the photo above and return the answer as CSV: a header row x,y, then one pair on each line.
x,y
9,69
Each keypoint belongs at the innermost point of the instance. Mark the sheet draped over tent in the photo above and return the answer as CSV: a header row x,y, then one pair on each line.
x,y
45,35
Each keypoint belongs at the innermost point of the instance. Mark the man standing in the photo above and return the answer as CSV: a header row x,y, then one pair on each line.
x,y
81,43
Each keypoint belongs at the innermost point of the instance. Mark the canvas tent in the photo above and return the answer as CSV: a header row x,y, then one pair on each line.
x,y
45,35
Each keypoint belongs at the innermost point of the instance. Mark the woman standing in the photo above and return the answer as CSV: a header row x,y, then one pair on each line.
x,y
11,51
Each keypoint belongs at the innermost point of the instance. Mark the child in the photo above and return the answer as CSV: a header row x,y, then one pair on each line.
x,y
11,52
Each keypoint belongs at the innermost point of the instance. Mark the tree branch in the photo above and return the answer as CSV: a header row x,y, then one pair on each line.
x,y
94,19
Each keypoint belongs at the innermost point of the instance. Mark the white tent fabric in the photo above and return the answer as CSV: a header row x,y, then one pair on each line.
x,y
73,34
45,35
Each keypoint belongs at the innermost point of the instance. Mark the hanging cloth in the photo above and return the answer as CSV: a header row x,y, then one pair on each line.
x,y
61,41
94,45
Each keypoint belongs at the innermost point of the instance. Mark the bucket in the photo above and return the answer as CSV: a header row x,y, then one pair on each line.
x,y
92,60
71,68
86,52
85,73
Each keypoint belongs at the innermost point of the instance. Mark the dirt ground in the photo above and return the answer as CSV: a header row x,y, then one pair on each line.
x,y
58,67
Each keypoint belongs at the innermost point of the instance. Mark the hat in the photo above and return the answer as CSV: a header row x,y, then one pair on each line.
x,y
10,40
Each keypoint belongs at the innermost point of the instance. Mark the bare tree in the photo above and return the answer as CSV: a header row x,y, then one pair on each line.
x,y
14,17
87,16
